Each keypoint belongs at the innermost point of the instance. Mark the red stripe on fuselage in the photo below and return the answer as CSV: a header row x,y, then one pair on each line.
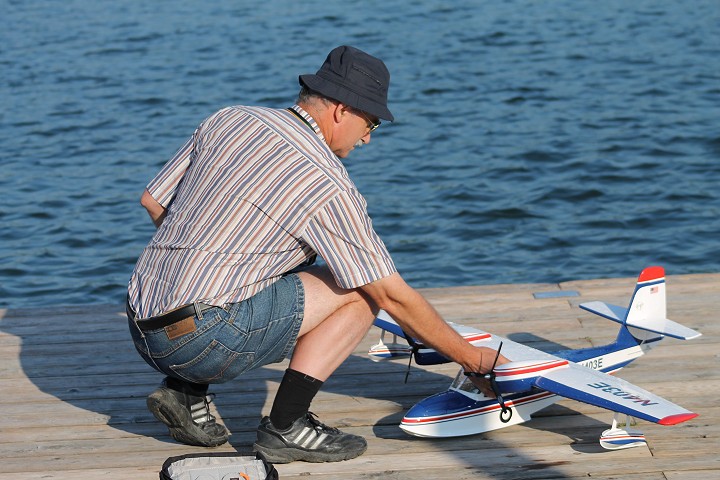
x,y
477,411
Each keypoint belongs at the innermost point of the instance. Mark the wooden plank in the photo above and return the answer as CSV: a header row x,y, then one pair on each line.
x,y
129,472
692,475
532,462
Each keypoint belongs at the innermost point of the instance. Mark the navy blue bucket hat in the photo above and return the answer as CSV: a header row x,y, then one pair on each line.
x,y
354,78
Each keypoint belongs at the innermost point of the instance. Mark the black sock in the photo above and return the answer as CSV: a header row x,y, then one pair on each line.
x,y
195,389
293,398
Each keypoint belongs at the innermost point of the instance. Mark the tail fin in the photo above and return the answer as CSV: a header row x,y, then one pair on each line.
x,y
648,308
645,318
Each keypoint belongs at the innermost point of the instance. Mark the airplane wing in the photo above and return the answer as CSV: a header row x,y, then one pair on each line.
x,y
615,394
385,322
424,355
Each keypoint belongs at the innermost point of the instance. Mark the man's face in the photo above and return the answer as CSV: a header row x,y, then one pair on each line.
x,y
352,131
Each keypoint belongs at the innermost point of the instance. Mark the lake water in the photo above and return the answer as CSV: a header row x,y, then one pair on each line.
x,y
535,141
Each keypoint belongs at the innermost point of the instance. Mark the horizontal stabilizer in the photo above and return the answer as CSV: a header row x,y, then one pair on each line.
x,y
660,326
611,312
671,329
615,394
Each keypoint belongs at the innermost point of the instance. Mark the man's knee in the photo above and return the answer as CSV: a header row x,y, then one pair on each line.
x,y
374,308
325,299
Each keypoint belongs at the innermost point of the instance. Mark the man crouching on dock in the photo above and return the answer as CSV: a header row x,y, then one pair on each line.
x,y
227,283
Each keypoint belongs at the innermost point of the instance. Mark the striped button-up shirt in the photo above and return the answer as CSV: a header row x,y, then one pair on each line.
x,y
254,193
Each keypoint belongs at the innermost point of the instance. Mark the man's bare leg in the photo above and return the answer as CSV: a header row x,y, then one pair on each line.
x,y
334,323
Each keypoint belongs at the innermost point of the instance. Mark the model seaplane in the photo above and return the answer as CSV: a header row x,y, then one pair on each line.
x,y
535,379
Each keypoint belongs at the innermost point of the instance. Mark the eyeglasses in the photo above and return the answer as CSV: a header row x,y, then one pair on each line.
x,y
372,126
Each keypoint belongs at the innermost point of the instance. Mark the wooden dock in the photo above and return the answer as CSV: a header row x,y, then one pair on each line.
x,y
73,396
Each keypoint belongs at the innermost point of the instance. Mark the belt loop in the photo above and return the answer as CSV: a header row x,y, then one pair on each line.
x,y
198,312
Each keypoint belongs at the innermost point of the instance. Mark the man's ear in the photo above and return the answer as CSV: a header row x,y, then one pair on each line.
x,y
340,109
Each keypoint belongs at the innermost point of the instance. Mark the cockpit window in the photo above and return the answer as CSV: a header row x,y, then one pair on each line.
x,y
462,383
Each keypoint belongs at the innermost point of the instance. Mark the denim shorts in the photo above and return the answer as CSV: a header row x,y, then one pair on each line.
x,y
229,341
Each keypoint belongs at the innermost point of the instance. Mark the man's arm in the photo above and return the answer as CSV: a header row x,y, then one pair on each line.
x,y
155,210
417,317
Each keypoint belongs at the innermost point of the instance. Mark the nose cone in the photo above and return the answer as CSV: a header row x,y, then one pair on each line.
x,y
446,414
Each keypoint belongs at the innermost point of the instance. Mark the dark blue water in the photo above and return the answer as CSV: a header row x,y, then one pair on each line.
x,y
534,141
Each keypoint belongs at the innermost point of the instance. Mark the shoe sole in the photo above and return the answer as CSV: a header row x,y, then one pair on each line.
x,y
288,454
165,407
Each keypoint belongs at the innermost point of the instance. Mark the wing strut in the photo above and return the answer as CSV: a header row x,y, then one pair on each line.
x,y
414,348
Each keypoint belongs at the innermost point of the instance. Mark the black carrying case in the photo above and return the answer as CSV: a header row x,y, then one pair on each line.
x,y
218,466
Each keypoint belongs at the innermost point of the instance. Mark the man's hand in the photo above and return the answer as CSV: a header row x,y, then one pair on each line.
x,y
487,363
420,320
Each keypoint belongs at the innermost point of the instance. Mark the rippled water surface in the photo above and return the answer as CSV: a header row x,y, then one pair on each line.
x,y
534,141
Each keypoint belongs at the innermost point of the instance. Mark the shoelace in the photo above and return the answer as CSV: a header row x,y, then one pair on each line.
x,y
318,425
200,411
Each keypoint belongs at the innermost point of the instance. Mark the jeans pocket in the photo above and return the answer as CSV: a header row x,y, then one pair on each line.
x,y
215,364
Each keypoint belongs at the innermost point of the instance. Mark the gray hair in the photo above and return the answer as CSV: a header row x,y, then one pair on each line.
x,y
311,97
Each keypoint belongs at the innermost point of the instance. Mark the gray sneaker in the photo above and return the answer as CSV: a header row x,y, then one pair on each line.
x,y
187,416
308,440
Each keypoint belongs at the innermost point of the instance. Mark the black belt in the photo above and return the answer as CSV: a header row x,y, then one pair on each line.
x,y
173,316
